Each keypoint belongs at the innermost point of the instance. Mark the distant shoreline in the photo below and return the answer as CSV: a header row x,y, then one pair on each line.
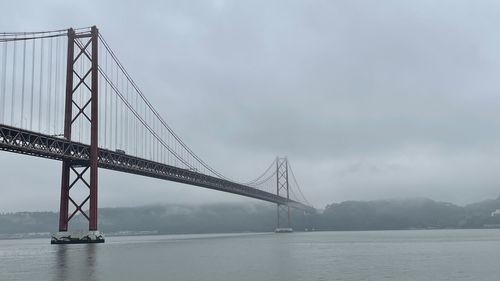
x,y
46,235
393,214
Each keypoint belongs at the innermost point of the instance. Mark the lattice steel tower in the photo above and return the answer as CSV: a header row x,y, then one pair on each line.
x,y
81,107
282,189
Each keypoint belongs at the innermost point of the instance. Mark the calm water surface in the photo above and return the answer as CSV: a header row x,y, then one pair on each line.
x,y
379,255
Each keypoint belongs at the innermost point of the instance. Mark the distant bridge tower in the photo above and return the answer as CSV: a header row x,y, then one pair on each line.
x,y
282,189
81,104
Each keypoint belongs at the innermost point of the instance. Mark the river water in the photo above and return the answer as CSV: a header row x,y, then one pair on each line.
x,y
350,256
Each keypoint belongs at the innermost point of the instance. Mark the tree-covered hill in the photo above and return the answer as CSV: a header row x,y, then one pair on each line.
x,y
419,213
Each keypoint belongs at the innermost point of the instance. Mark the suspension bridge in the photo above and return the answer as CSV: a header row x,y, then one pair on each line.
x,y
64,95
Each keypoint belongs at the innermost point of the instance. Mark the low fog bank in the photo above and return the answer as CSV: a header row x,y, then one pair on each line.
x,y
391,214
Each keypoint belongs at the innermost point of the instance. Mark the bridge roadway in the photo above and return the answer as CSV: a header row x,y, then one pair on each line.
x,y
40,145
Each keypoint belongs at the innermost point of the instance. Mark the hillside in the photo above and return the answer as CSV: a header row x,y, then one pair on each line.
x,y
417,213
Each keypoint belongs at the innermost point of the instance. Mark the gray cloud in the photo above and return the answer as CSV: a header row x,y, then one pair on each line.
x,y
368,99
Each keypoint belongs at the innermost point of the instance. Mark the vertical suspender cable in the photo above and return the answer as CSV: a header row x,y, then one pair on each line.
x,y
49,87
139,140
111,109
13,93
136,144
124,120
157,142
62,68
64,46
116,112
23,82
137,128
138,125
121,114
168,143
56,89
4,82
162,155
106,105
153,145
32,83
40,89
100,105
127,131
144,142
176,152
150,139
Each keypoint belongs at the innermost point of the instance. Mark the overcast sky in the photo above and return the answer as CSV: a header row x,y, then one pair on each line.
x,y
368,99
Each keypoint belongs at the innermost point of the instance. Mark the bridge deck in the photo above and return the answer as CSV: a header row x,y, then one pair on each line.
x,y
40,145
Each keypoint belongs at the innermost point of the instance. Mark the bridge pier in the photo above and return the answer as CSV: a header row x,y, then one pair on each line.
x,y
283,224
80,173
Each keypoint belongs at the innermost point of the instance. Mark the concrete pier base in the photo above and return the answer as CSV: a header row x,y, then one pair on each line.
x,y
79,237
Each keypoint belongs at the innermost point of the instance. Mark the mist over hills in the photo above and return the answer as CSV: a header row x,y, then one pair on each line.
x,y
391,214
416,213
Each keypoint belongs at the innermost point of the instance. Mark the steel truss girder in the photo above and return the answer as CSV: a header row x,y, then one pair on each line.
x,y
39,145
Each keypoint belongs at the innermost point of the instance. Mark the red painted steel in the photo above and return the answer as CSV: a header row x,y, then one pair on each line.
x,y
94,146
69,166
63,208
